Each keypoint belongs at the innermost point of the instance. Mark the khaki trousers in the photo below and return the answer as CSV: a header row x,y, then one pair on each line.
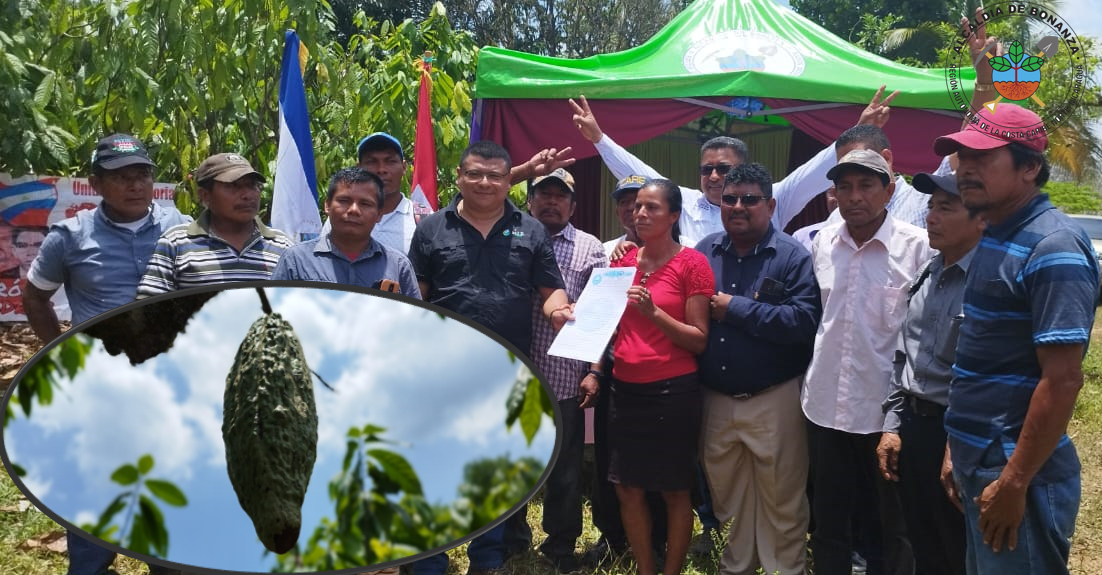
x,y
756,461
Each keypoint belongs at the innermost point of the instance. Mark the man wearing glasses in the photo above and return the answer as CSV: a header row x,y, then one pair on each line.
x,y
99,256
700,212
483,258
763,323
227,243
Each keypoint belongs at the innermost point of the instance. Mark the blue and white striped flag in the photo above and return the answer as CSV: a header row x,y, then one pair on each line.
x,y
295,194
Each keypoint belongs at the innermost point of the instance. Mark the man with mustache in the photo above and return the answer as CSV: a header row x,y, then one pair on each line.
x,y
1029,304
763,323
99,256
913,443
348,253
551,201
227,243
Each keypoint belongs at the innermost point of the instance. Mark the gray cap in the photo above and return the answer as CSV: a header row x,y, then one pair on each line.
x,y
930,183
867,160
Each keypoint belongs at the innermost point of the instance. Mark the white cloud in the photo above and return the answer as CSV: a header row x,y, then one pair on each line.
x,y
115,413
85,516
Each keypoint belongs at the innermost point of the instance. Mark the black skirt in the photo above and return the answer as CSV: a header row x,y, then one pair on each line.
x,y
654,433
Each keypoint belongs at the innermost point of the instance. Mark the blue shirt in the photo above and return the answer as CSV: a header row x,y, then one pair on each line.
x,y
316,260
768,333
99,262
1033,282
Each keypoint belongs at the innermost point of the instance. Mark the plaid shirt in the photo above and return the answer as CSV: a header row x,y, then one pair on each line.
x,y
578,254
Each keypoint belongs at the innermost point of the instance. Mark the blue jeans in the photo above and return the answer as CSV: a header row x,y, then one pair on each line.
x,y
1044,536
487,551
87,558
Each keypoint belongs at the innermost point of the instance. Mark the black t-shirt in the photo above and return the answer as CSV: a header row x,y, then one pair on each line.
x,y
489,280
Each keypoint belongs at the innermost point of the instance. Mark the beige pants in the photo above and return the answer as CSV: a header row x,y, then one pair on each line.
x,y
756,461
387,571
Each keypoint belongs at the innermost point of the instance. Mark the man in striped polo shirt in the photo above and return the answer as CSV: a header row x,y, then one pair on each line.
x,y
227,243
1028,311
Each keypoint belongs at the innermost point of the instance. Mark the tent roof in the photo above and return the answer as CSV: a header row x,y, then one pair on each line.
x,y
720,48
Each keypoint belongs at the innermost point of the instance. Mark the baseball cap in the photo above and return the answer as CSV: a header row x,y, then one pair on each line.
x,y
930,183
226,168
867,160
628,184
1007,124
560,175
118,151
382,139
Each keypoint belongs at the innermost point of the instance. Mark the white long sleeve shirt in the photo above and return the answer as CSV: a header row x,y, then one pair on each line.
x,y
699,217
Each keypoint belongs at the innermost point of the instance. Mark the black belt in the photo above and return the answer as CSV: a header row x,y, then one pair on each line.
x,y
924,407
742,396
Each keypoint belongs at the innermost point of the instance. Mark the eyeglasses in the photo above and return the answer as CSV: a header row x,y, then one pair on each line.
x,y
475,176
748,200
722,169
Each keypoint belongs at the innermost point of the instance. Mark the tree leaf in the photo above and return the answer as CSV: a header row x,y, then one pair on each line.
x,y
145,464
1000,64
138,540
1033,63
515,402
154,523
125,475
532,412
1015,52
398,469
108,514
167,492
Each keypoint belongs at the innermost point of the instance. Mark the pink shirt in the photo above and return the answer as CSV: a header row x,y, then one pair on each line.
x,y
864,292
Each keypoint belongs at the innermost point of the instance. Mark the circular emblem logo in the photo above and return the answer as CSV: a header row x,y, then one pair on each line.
x,y
743,50
1026,65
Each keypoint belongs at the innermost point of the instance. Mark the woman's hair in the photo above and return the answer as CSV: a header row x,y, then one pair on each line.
x,y
672,193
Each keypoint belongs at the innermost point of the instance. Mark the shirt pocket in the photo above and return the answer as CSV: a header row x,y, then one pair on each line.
x,y
888,305
946,348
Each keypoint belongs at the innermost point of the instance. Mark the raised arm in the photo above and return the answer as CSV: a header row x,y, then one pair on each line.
x,y
809,180
979,45
619,161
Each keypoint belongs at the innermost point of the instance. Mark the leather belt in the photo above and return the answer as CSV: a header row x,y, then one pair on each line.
x,y
925,407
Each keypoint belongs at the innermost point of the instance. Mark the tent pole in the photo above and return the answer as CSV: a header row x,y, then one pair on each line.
x,y
746,114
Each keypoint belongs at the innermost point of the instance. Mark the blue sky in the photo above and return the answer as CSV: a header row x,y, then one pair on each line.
x,y
437,385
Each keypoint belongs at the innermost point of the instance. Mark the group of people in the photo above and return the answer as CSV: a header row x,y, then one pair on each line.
x,y
896,382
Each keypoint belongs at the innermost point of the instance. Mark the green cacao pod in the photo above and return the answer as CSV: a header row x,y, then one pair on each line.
x,y
270,428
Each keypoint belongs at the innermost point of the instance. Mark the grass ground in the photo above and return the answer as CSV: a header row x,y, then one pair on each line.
x,y
17,527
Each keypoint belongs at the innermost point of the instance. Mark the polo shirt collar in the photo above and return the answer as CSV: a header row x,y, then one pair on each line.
x,y
768,241
1002,232
324,245
156,213
201,227
511,211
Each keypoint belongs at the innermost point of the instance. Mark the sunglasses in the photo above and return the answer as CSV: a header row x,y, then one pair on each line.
x,y
748,200
707,169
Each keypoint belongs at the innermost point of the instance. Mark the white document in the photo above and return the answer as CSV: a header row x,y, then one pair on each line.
x,y
596,315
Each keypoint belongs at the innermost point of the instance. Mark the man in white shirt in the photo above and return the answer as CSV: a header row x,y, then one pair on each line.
x,y
382,155
700,213
863,266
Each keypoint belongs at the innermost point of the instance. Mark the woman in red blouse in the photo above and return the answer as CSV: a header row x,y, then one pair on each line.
x,y
655,407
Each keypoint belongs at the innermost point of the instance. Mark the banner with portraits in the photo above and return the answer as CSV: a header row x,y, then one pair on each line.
x,y
28,205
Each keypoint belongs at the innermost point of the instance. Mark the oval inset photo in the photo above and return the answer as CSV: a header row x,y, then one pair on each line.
x,y
257,428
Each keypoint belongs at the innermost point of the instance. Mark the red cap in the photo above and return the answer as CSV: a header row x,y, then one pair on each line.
x,y
1008,123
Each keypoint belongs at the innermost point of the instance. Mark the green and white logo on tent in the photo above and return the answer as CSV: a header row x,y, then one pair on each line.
x,y
744,51
1026,66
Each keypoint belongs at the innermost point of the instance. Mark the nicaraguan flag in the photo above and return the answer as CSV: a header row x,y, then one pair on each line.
x,y
27,203
295,194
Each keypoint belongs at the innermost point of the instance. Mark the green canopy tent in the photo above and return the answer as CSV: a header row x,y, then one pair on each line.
x,y
712,52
